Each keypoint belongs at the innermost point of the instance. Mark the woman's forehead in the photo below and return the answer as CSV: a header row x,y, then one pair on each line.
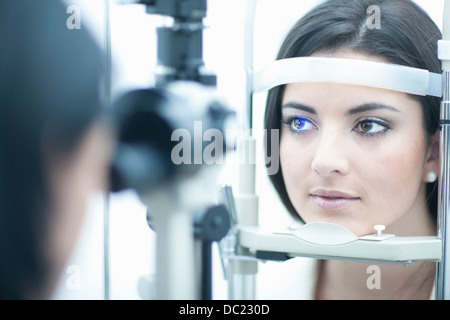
x,y
344,96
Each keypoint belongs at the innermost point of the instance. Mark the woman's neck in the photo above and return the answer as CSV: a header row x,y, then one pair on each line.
x,y
340,279
343,280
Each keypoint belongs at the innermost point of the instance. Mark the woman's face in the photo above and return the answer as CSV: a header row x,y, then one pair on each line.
x,y
353,155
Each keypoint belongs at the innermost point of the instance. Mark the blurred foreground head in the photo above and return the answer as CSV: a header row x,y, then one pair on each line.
x,y
53,148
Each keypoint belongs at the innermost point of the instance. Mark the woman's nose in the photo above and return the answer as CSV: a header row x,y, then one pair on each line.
x,y
331,156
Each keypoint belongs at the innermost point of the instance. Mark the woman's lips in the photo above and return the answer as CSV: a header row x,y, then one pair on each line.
x,y
332,200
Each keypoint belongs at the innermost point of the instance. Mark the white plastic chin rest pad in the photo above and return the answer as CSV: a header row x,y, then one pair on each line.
x,y
330,241
324,233
349,71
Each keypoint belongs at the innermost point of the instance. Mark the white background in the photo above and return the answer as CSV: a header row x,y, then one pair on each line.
x,y
132,243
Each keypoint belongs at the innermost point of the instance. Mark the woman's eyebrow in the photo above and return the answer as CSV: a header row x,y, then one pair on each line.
x,y
359,109
299,106
370,107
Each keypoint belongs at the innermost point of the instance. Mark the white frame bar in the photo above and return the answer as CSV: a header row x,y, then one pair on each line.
x,y
348,71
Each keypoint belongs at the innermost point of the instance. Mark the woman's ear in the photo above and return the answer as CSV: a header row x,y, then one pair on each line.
x,y
433,164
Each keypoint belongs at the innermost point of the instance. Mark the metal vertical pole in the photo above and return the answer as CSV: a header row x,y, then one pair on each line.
x,y
106,210
442,288
443,267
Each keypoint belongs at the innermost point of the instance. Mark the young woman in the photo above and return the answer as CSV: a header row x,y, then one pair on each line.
x,y
360,156
53,148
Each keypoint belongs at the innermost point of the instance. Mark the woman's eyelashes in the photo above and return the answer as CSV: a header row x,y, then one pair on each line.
x,y
299,124
369,127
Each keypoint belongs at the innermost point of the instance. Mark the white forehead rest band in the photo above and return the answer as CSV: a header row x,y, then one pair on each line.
x,y
349,71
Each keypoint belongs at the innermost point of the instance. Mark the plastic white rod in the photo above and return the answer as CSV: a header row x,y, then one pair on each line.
x,y
248,61
243,272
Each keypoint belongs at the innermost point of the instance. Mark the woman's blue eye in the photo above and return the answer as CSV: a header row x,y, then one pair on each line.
x,y
299,124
